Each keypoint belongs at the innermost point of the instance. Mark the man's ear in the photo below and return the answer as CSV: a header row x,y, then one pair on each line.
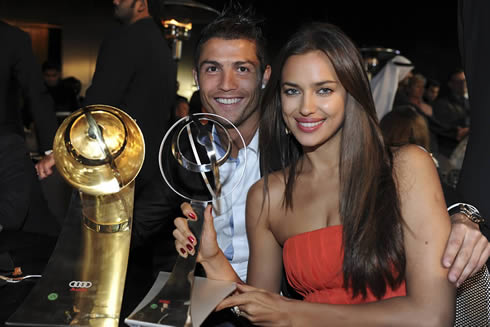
x,y
141,5
196,77
266,76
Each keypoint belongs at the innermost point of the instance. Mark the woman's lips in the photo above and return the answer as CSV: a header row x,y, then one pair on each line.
x,y
309,126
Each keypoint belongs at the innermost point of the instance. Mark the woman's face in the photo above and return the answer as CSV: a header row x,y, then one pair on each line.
x,y
313,100
417,89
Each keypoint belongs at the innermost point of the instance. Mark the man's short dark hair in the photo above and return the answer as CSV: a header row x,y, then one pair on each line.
x,y
455,71
432,83
49,65
234,23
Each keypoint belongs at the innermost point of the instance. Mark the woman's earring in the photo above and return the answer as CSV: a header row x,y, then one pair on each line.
x,y
287,130
263,86
197,87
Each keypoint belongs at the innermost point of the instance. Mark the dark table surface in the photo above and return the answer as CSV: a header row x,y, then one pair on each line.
x,y
30,252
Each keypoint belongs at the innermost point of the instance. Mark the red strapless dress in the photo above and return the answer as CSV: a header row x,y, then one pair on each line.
x,y
313,264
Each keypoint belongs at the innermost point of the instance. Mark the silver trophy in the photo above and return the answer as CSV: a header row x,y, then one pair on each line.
x,y
190,155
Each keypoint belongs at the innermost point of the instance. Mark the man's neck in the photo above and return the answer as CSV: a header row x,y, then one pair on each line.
x,y
247,129
136,18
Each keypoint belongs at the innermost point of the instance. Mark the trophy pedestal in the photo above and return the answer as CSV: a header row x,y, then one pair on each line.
x,y
83,281
206,294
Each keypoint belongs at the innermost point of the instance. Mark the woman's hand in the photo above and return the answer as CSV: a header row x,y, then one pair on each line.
x,y
185,241
260,306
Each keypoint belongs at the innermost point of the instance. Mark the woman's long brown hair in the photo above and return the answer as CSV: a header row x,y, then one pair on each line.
x,y
373,246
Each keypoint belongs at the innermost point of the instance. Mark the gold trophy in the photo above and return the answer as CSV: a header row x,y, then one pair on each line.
x,y
99,150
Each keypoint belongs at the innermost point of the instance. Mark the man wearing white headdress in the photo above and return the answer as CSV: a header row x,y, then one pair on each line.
x,y
385,83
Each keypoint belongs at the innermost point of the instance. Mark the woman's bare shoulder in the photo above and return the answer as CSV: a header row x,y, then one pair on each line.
x,y
411,165
275,185
410,159
269,196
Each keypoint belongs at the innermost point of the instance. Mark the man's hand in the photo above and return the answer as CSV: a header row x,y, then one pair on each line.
x,y
467,250
44,167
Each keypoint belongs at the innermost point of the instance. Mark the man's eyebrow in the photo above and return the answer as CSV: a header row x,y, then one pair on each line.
x,y
236,63
245,62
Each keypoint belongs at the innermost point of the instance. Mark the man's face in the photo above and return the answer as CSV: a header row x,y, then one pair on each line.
x,y
51,77
457,84
432,92
124,10
229,78
417,89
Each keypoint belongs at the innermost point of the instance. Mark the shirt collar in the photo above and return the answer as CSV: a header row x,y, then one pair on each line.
x,y
253,145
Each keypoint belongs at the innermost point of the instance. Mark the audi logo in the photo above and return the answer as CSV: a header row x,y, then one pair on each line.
x,y
80,284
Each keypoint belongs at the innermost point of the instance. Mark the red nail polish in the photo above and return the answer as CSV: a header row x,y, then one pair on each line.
x,y
192,215
191,239
182,250
189,247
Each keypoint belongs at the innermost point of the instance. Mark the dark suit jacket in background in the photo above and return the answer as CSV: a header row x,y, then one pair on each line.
x,y
20,69
26,220
20,193
474,34
136,73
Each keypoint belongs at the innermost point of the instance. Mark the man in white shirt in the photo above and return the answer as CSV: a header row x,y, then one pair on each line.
x,y
231,72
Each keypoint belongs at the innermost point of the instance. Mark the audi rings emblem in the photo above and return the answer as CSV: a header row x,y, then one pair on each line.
x,y
80,284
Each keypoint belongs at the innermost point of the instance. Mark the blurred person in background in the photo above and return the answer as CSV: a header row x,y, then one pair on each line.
x,y
453,111
431,92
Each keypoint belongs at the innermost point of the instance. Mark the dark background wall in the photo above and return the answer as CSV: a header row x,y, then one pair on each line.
x,y
424,31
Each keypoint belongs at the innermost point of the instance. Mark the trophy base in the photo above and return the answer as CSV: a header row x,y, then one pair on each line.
x,y
83,281
206,294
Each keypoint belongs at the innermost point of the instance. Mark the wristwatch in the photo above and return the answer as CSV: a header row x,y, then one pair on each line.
x,y
468,210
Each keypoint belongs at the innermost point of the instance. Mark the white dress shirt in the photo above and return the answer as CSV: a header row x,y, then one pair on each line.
x,y
229,213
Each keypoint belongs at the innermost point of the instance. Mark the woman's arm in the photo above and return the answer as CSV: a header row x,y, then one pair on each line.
x,y
265,260
430,299
426,231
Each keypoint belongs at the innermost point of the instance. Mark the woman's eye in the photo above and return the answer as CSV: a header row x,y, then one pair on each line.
x,y
324,90
211,69
291,91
